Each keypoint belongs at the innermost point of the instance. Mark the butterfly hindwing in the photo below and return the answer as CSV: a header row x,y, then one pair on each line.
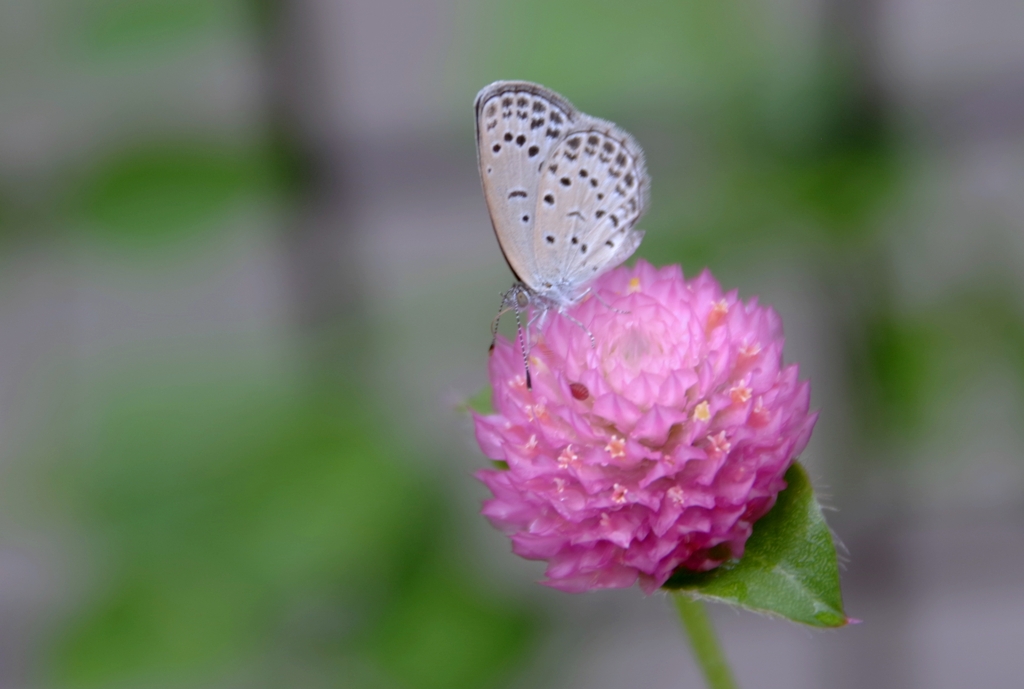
x,y
517,125
593,190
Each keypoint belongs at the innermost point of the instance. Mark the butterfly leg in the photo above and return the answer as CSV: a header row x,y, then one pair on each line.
x,y
515,300
593,341
508,302
606,304
537,318
521,300
497,319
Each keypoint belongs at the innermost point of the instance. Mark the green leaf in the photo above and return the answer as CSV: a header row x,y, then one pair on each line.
x,y
789,567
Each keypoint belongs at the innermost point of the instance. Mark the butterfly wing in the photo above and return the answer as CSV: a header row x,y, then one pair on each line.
x,y
593,190
517,125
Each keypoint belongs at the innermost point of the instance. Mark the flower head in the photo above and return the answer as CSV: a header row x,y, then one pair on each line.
x,y
654,447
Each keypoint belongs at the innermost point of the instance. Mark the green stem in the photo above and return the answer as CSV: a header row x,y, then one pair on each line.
x,y
705,644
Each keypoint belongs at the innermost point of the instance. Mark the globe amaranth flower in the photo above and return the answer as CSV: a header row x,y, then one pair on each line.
x,y
653,447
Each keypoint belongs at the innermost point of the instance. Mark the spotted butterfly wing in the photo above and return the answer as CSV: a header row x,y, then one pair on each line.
x,y
517,125
593,190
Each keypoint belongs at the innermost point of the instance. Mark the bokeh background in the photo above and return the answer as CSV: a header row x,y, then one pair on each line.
x,y
246,279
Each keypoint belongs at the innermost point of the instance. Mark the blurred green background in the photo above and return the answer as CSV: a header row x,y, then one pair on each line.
x,y
246,277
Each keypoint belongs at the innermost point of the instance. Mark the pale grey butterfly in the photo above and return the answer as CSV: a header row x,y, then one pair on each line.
x,y
564,191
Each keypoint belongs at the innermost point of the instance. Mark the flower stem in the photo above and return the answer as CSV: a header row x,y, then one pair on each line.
x,y
704,642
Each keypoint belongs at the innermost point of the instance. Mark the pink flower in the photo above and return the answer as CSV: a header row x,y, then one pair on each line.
x,y
659,447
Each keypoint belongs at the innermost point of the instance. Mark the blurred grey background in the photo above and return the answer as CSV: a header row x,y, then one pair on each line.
x,y
246,278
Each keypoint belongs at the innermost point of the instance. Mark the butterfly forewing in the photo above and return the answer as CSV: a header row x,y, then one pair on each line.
x,y
517,125
592,191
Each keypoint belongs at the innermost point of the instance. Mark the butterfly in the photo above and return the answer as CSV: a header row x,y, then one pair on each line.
x,y
564,191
